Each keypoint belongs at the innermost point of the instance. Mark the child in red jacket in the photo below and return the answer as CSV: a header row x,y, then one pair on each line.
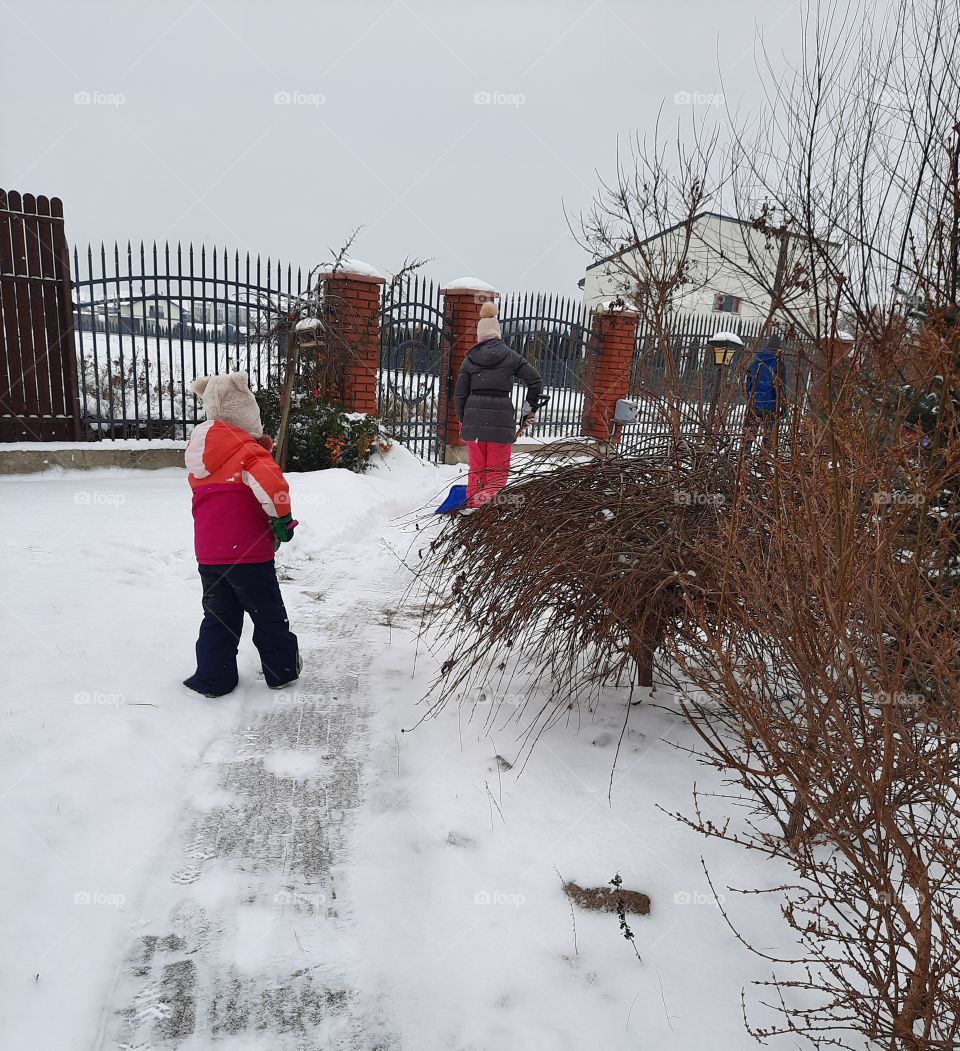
x,y
241,514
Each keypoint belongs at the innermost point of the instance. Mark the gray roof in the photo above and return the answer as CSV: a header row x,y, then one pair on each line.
x,y
677,226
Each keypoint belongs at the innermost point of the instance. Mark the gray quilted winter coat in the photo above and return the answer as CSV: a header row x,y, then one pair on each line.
x,y
482,394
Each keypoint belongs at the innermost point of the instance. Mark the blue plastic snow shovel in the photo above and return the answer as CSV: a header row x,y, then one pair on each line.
x,y
456,498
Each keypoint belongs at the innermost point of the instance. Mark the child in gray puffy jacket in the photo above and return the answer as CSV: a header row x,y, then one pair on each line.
x,y
484,406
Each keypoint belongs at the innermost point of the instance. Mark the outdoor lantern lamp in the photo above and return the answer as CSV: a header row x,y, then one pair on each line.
x,y
725,345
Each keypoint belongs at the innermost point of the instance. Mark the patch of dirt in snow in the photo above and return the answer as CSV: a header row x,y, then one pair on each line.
x,y
606,899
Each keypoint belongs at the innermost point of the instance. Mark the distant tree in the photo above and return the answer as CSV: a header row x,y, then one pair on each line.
x,y
660,184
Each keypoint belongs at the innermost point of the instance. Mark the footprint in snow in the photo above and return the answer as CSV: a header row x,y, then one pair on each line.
x,y
188,874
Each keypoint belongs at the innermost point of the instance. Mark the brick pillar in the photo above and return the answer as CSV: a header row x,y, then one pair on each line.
x,y
461,312
607,374
355,306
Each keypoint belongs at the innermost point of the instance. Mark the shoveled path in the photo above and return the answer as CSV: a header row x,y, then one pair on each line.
x,y
253,944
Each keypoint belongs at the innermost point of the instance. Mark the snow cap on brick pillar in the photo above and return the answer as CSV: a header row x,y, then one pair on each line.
x,y
463,300
607,375
354,289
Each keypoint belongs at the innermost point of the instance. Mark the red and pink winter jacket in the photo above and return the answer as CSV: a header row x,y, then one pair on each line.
x,y
237,488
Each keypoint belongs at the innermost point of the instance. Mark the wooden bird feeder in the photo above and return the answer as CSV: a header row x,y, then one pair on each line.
x,y
307,330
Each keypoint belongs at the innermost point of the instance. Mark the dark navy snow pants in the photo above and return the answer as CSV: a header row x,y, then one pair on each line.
x,y
228,593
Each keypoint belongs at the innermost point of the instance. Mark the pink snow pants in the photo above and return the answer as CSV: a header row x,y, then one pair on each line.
x,y
489,465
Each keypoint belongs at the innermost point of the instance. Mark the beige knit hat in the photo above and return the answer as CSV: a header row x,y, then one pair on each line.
x,y
488,327
228,398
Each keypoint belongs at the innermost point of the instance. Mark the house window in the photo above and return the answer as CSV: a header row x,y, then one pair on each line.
x,y
726,304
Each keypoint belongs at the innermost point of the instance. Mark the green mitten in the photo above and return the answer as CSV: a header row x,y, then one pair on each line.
x,y
283,529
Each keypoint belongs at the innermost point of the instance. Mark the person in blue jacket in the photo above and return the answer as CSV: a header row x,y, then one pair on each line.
x,y
765,387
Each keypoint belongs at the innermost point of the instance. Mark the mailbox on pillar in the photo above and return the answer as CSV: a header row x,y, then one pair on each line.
x,y
626,411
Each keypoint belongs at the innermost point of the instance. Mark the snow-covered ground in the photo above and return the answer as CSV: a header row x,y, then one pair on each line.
x,y
292,870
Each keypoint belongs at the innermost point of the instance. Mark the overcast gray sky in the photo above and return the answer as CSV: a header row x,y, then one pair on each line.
x,y
451,131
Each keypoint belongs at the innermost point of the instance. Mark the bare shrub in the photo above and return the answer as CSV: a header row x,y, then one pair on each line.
x,y
570,577
832,658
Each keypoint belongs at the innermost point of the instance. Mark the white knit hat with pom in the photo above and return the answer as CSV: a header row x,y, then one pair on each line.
x,y
488,327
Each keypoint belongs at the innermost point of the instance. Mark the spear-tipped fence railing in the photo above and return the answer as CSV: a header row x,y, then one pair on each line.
x,y
149,321
677,382
552,332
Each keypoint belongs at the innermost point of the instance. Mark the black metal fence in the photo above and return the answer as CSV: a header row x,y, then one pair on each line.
x,y
413,384
687,371
552,333
148,322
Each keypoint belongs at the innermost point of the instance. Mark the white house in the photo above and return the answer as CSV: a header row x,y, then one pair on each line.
x,y
722,255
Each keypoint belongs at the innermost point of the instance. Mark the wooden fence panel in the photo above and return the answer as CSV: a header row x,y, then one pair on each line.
x,y
11,369
38,365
